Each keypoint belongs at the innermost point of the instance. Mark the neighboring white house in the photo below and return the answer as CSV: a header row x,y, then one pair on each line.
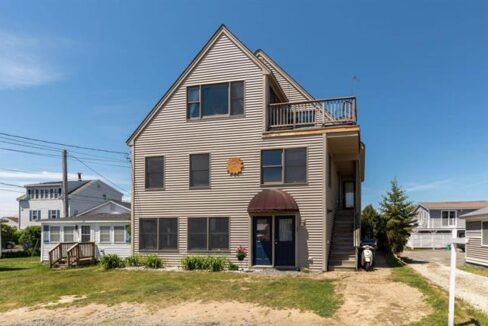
x,y
107,225
439,222
12,221
44,200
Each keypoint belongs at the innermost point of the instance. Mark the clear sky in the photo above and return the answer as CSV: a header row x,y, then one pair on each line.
x,y
88,72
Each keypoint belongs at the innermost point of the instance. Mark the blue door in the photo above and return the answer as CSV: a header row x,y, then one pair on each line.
x,y
285,241
262,241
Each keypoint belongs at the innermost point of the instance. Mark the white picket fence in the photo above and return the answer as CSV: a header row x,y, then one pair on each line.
x,y
429,240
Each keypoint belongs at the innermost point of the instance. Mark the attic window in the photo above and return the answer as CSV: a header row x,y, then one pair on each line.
x,y
223,99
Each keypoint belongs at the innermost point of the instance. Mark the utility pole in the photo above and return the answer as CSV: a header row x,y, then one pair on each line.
x,y
65,183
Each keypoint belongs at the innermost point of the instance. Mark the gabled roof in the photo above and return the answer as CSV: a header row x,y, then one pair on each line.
x,y
479,212
264,56
477,204
222,30
124,205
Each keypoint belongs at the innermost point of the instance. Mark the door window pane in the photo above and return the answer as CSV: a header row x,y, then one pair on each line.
x,y
148,237
155,172
286,229
215,99
105,234
119,234
69,233
237,98
199,170
295,165
85,233
168,233
219,233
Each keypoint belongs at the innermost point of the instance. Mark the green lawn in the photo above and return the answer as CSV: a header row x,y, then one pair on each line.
x,y
25,282
436,297
483,271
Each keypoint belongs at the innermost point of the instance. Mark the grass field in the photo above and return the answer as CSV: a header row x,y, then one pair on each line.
x,y
482,271
436,297
25,282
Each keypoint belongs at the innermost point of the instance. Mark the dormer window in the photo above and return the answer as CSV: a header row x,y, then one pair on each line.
x,y
223,99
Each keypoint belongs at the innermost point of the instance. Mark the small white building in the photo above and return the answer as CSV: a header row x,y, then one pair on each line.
x,y
106,225
43,201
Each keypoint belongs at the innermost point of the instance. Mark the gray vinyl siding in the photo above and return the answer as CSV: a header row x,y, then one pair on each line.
x,y
171,135
291,92
475,252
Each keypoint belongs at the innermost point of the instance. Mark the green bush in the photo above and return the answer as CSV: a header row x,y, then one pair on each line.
x,y
30,239
210,263
14,254
153,261
233,267
111,261
9,234
135,260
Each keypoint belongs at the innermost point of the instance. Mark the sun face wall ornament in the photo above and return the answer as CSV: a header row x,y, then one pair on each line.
x,y
235,166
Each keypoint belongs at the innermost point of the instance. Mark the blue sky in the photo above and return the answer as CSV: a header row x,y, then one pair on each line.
x,y
87,72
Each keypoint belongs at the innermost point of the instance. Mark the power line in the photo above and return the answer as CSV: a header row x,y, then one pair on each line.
x,y
10,190
11,185
28,152
63,144
98,173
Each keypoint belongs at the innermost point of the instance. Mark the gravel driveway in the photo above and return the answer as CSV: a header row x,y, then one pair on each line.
x,y
434,265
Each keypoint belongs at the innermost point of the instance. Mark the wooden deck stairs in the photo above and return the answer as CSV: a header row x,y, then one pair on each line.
x,y
71,254
342,255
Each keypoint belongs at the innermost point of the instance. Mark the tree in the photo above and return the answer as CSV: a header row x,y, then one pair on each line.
x,y
9,234
369,222
30,239
398,215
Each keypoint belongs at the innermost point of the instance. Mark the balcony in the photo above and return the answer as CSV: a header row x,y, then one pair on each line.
x,y
312,114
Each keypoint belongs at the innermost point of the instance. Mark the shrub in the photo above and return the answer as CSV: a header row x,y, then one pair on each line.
x,y
14,254
111,261
30,239
153,261
135,260
9,234
214,264
233,267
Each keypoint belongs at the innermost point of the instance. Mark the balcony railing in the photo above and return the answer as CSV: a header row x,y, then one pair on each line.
x,y
312,114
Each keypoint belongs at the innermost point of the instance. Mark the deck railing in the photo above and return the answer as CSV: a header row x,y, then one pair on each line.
x,y
79,251
309,114
60,251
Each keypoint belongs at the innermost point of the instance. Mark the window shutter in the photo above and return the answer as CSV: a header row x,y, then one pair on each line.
x,y
39,215
30,216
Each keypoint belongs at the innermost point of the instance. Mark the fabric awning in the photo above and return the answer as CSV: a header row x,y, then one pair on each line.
x,y
272,201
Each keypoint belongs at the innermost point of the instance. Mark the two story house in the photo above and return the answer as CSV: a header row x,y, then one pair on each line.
x,y
237,153
439,222
44,200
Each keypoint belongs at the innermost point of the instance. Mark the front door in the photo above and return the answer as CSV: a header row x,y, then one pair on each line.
x,y
349,194
262,241
285,241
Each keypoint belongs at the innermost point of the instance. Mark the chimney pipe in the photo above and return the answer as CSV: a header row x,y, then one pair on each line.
x,y
79,176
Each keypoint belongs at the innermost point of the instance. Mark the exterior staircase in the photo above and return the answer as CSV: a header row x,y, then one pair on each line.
x,y
342,255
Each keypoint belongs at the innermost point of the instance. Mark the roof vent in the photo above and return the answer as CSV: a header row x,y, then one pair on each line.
x,y
79,176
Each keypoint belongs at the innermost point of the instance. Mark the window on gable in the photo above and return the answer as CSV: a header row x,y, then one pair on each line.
x,y
155,172
215,100
284,166
210,233
199,170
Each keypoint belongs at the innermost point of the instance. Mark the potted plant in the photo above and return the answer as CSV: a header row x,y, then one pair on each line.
x,y
241,253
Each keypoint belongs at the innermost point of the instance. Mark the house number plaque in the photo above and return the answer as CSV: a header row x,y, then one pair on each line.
x,y
235,166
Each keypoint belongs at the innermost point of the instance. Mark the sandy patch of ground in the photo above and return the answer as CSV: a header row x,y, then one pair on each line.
x,y
470,287
369,299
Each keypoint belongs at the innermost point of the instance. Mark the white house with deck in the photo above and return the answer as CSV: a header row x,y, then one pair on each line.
x,y
44,200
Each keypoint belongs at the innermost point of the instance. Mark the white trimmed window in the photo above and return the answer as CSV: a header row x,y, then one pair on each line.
x,y
484,233
34,215
448,218
105,234
54,234
54,214
119,234
69,233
